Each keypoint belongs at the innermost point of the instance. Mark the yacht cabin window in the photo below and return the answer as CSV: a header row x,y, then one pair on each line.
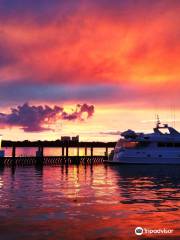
x,y
168,144
132,144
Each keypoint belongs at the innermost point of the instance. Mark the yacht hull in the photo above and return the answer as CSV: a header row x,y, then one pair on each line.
x,y
146,160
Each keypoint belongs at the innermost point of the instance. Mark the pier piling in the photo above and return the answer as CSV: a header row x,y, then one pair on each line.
x,y
13,151
40,156
85,152
63,151
91,151
13,156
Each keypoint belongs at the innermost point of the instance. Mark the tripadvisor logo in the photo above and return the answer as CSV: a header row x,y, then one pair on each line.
x,y
139,231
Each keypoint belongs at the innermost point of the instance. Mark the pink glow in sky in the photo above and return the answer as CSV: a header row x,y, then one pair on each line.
x,y
121,57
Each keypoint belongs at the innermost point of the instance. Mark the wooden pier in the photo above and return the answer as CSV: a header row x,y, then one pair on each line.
x,y
64,157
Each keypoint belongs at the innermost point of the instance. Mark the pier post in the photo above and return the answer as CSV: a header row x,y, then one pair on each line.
x,y
40,152
92,160
106,152
85,151
40,156
63,151
13,155
67,154
77,151
78,155
63,155
13,152
92,151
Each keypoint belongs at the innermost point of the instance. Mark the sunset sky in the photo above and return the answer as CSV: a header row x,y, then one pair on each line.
x,y
88,67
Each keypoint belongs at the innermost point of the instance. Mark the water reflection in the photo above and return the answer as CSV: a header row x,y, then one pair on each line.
x,y
87,202
39,170
153,184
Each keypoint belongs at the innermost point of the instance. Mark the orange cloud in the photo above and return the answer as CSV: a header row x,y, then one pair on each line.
x,y
90,47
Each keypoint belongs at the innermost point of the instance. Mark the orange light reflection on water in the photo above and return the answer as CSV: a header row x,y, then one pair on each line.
x,y
90,202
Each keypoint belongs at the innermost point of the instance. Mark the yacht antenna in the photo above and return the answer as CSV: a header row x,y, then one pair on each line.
x,y
158,122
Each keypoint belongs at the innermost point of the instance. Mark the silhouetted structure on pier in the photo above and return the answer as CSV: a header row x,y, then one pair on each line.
x,y
58,143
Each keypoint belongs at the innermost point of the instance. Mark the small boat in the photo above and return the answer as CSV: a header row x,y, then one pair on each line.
x,y
160,147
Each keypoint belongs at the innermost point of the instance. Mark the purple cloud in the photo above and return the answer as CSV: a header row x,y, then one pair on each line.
x,y
35,118
78,113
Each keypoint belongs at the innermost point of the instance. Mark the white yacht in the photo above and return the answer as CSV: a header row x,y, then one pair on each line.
x,y
160,147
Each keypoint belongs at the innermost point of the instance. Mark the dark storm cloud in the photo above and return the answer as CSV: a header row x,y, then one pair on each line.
x,y
124,6
41,11
133,10
16,93
32,5
20,92
33,118
45,11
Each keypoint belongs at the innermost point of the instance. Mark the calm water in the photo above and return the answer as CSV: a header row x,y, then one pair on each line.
x,y
98,202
